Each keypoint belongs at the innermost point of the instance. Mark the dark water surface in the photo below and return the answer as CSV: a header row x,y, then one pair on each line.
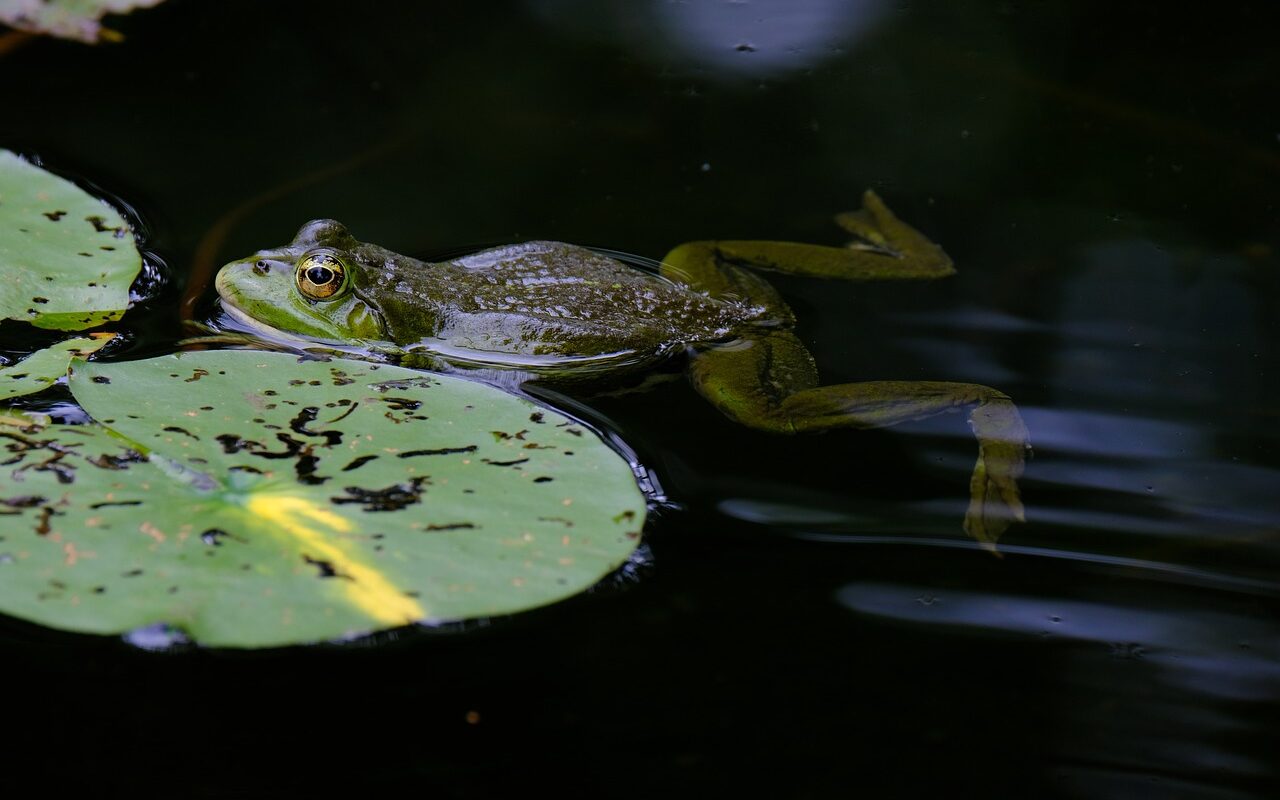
x,y
813,622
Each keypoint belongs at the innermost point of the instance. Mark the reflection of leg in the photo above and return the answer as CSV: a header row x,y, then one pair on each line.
x,y
887,249
769,383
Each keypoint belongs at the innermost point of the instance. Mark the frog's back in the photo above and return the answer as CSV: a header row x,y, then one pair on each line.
x,y
564,305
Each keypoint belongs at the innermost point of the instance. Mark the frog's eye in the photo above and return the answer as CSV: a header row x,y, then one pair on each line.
x,y
320,276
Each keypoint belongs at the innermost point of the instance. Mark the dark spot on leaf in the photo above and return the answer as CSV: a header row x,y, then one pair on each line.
x,y
392,498
307,415
568,523
197,375
441,451
340,378
543,479
627,516
357,463
101,379
54,216
234,444
451,526
305,467
499,436
206,408
23,501
99,589
106,503
214,537
244,468
326,568
270,392
344,414
183,431
402,403
133,573
86,255
40,300
121,461
511,463
536,417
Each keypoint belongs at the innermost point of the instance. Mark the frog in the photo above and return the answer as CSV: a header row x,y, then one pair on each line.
x,y
555,312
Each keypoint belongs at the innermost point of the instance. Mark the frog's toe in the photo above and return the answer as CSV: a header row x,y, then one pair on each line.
x,y
993,507
994,500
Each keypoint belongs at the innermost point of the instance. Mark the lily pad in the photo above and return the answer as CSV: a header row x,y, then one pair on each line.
x,y
68,257
43,368
248,499
69,19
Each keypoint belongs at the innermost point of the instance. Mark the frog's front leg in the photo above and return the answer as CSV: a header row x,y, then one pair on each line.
x,y
768,382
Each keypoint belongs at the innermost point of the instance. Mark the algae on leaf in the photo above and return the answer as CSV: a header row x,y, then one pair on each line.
x,y
250,499
68,19
68,258
47,366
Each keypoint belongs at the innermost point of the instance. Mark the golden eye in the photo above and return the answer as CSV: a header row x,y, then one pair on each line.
x,y
320,276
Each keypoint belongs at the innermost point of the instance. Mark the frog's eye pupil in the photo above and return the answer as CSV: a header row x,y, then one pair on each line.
x,y
319,275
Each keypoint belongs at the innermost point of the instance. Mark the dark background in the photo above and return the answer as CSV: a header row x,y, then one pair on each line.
x,y
810,622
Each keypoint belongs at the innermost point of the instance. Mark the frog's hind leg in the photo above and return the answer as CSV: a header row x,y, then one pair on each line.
x,y
886,248
769,383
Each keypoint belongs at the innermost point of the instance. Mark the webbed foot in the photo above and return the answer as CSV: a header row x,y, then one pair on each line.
x,y
994,501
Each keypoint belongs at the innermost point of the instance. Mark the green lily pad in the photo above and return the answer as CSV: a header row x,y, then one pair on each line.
x,y
250,500
43,368
69,19
68,257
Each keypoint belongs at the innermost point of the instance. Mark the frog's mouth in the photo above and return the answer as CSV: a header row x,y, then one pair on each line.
x,y
257,326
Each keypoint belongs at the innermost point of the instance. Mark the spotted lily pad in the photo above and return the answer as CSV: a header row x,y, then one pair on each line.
x,y
69,19
248,499
43,368
68,257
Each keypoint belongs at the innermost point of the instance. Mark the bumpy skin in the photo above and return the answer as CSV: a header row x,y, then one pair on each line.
x,y
545,307
557,312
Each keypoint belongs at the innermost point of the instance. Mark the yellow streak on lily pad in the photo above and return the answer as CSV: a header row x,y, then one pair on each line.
x,y
368,589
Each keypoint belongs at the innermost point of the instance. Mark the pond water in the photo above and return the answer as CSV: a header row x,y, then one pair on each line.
x,y
809,620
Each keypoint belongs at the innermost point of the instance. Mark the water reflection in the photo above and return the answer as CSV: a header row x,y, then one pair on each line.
x,y
728,37
1146,684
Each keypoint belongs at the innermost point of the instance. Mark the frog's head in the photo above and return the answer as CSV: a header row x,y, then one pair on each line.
x,y
306,289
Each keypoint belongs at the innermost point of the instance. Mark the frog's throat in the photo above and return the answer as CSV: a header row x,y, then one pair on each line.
x,y
263,329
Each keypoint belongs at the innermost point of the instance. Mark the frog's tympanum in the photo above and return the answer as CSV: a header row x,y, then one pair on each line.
x,y
557,312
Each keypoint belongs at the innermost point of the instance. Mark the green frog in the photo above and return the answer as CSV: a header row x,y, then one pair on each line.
x,y
558,312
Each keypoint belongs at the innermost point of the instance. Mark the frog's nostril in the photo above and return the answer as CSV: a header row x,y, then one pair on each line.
x,y
261,268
